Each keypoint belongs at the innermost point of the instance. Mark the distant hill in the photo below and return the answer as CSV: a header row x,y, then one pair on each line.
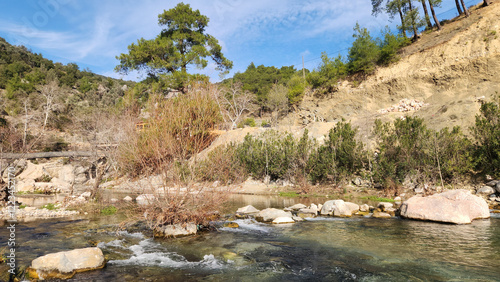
x,y
37,93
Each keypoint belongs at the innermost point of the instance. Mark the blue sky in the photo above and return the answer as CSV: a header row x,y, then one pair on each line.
x,y
269,32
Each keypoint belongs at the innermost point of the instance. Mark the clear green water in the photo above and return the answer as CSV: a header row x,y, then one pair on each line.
x,y
323,249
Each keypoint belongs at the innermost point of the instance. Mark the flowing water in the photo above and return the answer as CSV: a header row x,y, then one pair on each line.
x,y
322,249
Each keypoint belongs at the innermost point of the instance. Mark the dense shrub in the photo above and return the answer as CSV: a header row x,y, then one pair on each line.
x,y
222,164
329,72
340,156
487,134
407,148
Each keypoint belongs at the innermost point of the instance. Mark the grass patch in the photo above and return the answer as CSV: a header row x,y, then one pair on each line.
x,y
50,207
377,199
22,206
109,210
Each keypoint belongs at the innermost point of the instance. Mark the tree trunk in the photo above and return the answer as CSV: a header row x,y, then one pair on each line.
x,y
402,23
459,9
427,18
434,15
466,11
415,32
485,3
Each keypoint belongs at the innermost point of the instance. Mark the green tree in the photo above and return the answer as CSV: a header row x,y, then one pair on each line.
x,y
432,4
182,43
364,52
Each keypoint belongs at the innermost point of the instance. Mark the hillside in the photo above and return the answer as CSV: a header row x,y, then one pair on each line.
x,y
449,71
45,105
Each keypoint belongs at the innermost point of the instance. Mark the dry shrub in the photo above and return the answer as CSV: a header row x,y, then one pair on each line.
x,y
177,129
222,164
193,205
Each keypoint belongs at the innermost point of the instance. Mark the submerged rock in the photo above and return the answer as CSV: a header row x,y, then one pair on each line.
x,y
176,230
231,224
456,206
64,265
378,214
270,214
247,210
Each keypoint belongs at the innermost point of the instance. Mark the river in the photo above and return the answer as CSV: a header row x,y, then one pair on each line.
x,y
321,249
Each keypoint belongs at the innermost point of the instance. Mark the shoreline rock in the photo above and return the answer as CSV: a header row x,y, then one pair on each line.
x,y
455,206
64,265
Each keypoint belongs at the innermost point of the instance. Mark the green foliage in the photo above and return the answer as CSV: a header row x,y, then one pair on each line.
x,y
389,47
109,210
296,89
339,156
182,43
377,199
487,134
408,148
271,155
50,207
364,52
259,80
329,72
247,122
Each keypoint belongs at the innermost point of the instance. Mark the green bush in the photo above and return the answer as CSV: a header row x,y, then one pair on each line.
x,y
329,72
247,122
487,134
340,156
109,210
408,148
296,88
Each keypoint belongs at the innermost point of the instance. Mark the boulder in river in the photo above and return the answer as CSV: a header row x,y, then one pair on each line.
x,y
486,190
145,199
455,206
339,208
247,210
283,220
297,207
267,215
176,230
64,265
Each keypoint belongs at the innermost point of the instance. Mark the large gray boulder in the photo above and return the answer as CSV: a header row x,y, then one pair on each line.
x,y
455,206
486,190
270,214
64,265
339,208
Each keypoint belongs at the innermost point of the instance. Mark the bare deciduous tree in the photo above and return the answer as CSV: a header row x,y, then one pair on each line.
x,y
49,92
233,102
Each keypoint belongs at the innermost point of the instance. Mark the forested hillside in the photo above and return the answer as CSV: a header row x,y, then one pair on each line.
x,y
38,95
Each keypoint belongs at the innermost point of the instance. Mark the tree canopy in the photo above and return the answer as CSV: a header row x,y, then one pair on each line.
x,y
182,43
